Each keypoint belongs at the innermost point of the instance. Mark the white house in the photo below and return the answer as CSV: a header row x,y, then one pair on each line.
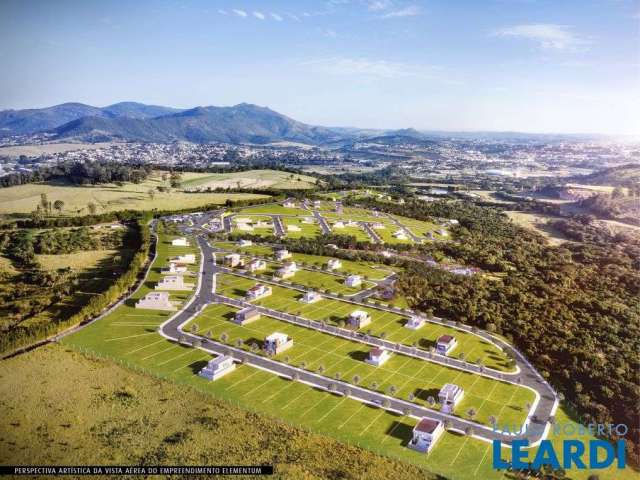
x,y
277,343
317,203
293,228
180,242
289,203
449,395
378,226
377,356
218,367
246,315
257,265
425,434
358,319
188,258
353,281
244,243
310,297
308,220
244,227
174,268
415,322
443,232
231,260
258,291
400,235
334,264
338,225
173,282
156,301
287,270
282,254
445,343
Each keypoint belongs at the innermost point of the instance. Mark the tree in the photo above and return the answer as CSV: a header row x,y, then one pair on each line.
x,y
224,337
152,193
471,413
239,342
356,379
93,208
44,202
194,328
392,390
431,401
58,205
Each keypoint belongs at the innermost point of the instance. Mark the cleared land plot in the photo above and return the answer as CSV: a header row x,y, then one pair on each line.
x,y
419,228
258,224
316,280
306,229
538,223
371,270
392,324
337,357
352,230
108,197
250,179
274,209
354,213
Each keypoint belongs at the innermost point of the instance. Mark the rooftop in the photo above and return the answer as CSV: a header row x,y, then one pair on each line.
x,y
427,425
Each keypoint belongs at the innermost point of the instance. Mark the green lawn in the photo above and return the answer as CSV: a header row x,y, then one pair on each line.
x,y
418,227
275,209
249,179
392,324
265,231
306,229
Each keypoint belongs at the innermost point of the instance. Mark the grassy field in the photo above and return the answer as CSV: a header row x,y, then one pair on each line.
x,y
274,209
392,324
250,179
267,230
418,227
78,261
371,270
129,336
538,223
306,229
108,197
60,407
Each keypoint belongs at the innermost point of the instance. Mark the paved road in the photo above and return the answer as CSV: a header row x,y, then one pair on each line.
x,y
543,408
278,226
371,232
413,236
326,229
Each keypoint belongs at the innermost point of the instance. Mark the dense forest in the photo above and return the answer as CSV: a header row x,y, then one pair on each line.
x,y
573,310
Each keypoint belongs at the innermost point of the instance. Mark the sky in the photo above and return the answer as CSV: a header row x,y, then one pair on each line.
x,y
549,66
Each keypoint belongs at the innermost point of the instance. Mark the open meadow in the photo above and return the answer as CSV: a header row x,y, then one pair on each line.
x,y
109,197
251,179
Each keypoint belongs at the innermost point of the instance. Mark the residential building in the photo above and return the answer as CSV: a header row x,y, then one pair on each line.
x,y
282,254
289,203
378,226
218,367
256,265
334,264
358,319
317,204
353,281
179,242
244,243
277,343
246,315
231,260
174,268
258,291
311,297
188,258
443,232
293,228
425,434
287,270
449,396
173,282
156,301
445,343
415,322
338,225
400,235
377,356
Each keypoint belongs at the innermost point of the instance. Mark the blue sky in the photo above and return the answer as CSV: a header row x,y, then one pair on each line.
x,y
525,65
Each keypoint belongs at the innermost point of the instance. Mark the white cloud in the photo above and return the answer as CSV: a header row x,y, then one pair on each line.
x,y
240,13
222,12
293,17
548,36
377,5
276,17
259,15
371,68
410,11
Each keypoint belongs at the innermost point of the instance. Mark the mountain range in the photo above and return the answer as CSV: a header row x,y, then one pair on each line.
x,y
242,123
130,121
